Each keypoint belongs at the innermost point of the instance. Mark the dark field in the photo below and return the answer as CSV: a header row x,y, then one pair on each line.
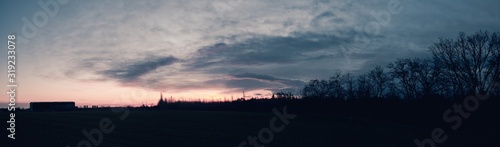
x,y
214,128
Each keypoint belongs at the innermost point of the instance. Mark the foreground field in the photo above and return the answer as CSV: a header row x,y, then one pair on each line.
x,y
209,128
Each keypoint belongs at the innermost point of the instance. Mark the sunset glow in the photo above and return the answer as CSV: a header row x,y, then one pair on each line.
x,y
99,52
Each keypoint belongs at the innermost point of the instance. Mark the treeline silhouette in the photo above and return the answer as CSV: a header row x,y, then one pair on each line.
x,y
468,65
415,91
406,91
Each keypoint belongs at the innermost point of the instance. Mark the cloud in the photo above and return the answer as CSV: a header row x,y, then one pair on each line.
x,y
268,78
131,72
252,81
259,50
242,45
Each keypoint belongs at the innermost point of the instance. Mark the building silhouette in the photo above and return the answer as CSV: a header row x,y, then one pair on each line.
x,y
162,102
52,106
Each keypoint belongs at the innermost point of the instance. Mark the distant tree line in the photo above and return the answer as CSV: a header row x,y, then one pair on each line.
x,y
467,65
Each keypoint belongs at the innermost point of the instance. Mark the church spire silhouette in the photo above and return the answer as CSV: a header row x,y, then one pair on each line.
x,y
161,102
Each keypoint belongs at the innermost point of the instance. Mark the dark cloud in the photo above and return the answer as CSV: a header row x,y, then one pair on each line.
x,y
131,72
253,48
326,19
261,50
248,84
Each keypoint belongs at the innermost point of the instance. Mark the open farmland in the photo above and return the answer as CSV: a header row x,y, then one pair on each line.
x,y
208,128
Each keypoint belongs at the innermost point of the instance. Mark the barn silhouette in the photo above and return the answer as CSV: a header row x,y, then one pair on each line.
x,y
52,106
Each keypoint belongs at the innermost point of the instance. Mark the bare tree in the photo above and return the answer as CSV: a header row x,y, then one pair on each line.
x,y
472,60
403,70
316,89
428,76
349,83
336,90
380,81
364,87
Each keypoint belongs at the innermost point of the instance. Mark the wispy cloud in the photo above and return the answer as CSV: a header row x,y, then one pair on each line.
x,y
244,45
130,73
267,82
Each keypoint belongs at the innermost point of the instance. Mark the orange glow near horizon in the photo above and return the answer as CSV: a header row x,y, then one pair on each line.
x,y
113,94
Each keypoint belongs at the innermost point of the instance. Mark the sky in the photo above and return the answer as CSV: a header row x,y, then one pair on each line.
x,y
125,52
